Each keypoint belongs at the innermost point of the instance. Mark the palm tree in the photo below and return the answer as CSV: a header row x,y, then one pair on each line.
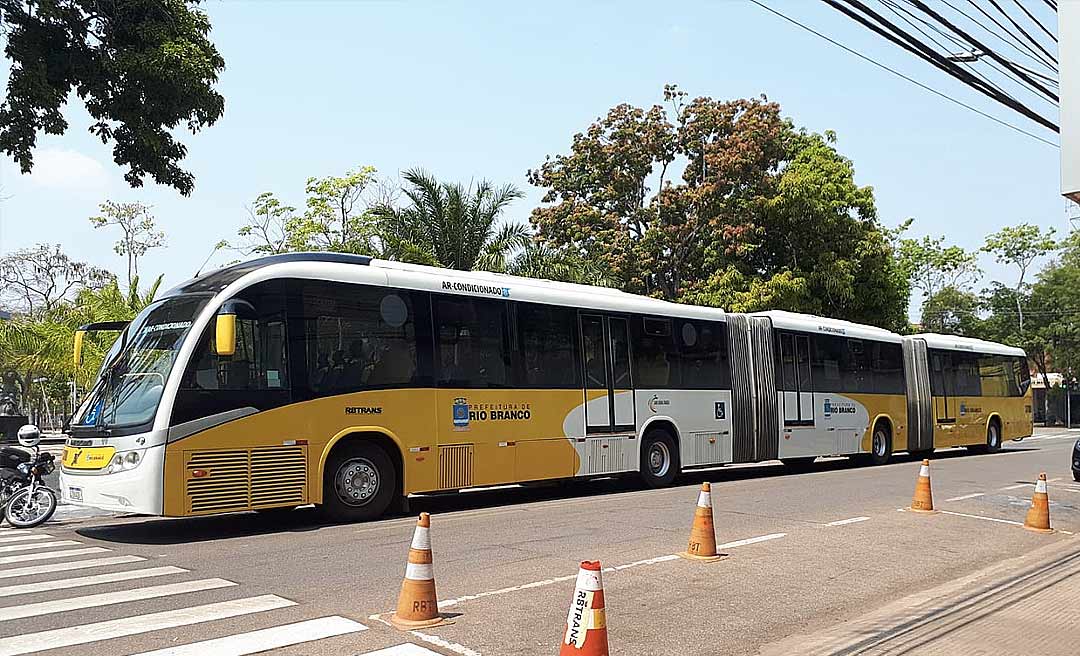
x,y
452,226
41,344
538,260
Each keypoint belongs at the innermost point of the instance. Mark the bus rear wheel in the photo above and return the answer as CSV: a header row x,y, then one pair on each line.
x,y
359,483
993,437
659,459
880,445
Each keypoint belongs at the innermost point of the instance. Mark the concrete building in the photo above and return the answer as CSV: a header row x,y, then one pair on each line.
x,y
1069,73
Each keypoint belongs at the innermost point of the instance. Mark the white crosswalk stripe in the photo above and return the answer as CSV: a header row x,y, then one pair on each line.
x,y
50,555
128,626
67,567
83,581
23,537
402,650
27,546
113,611
110,598
276,637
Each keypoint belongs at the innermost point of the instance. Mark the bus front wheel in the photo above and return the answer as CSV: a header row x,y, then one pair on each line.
x,y
359,483
659,459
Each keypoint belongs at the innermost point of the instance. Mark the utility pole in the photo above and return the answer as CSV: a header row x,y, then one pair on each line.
x,y
1069,74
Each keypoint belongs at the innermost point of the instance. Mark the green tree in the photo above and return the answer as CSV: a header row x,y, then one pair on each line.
x,y
953,311
40,345
450,225
1020,246
337,216
762,215
139,232
142,68
1054,308
538,260
270,227
941,274
37,279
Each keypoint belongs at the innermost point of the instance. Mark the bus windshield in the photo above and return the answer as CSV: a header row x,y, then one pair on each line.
x,y
134,372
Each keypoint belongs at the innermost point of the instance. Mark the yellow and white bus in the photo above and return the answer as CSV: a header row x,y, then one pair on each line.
x,y
350,383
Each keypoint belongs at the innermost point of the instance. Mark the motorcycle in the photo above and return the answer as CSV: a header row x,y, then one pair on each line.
x,y
26,500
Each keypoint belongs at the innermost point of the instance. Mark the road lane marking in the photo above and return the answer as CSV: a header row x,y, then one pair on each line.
x,y
96,579
66,567
20,538
29,643
110,598
844,522
8,548
50,555
276,637
407,649
1017,487
445,644
968,496
743,543
989,519
639,563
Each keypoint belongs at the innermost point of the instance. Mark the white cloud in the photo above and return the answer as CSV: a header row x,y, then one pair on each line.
x,y
69,170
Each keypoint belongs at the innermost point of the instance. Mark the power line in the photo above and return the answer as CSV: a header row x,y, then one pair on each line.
x,y
897,9
1033,41
898,36
902,76
1027,51
1035,20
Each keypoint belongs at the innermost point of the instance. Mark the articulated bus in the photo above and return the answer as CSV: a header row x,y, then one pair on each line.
x,y
350,383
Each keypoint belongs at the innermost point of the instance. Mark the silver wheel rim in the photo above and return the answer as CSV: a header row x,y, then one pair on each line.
x,y
357,482
879,444
994,439
659,459
29,508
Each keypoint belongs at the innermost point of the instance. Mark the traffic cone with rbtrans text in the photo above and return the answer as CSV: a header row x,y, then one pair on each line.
x,y
1038,515
702,544
418,605
923,501
586,624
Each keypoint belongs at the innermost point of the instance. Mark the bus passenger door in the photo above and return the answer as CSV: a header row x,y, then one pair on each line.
x,y
801,437
609,395
941,384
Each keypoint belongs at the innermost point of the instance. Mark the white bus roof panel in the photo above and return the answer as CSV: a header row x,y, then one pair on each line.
x,y
952,342
782,320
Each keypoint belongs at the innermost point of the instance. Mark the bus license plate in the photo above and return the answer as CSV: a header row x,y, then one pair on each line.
x,y
75,493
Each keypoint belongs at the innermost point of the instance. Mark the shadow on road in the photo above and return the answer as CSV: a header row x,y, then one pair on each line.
x,y
166,531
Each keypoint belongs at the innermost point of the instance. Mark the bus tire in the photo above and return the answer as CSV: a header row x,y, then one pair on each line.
x,y
993,436
659,459
359,483
880,444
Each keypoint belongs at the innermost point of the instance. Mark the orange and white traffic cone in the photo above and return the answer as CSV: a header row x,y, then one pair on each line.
x,y
702,544
586,624
418,605
923,501
1038,515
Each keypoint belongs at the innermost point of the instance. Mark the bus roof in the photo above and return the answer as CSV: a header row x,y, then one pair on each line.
x,y
952,342
363,269
809,323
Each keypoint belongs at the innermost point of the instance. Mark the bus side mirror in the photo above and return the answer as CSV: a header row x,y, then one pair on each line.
x,y
79,335
225,334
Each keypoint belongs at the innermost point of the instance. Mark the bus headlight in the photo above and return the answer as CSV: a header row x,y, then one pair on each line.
x,y
125,460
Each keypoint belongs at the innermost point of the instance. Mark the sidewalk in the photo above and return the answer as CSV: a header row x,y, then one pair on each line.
x,y
1025,605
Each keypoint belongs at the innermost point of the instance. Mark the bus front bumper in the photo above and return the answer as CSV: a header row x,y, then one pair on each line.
x,y
137,491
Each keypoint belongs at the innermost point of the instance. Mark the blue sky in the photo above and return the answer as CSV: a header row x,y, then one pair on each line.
x,y
475,90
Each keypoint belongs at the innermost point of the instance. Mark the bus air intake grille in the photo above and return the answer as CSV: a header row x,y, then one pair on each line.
x,y
224,485
245,479
455,466
278,476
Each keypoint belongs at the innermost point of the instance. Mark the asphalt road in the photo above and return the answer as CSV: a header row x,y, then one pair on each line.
x,y
806,551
